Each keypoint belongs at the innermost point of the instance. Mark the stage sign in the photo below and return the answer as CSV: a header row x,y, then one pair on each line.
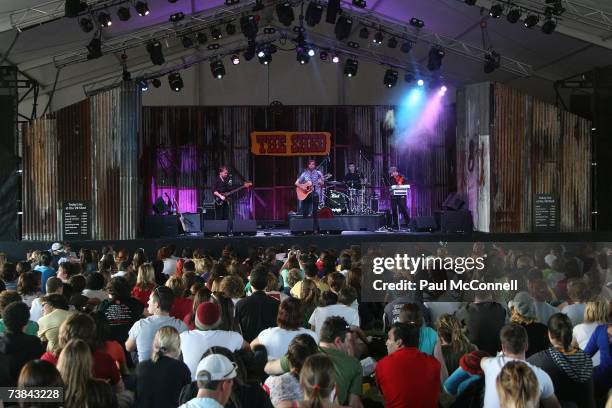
x,y
76,220
546,213
291,143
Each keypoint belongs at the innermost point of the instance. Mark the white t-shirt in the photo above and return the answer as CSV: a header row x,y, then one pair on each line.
x,y
169,266
493,366
194,343
321,314
582,333
575,312
36,310
143,331
95,294
276,340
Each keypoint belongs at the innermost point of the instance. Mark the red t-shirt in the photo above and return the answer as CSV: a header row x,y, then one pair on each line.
x,y
114,349
188,322
142,294
409,378
181,308
104,367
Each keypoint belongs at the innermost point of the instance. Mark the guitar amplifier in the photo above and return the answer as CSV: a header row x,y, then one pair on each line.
x,y
208,211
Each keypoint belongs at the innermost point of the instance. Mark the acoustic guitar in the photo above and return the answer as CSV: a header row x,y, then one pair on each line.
x,y
303,190
219,201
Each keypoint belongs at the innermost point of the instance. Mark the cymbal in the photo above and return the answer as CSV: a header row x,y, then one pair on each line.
x,y
335,183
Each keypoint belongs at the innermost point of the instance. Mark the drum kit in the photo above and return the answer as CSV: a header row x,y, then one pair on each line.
x,y
343,199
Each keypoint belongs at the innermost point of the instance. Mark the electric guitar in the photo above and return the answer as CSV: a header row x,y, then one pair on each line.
x,y
219,201
303,190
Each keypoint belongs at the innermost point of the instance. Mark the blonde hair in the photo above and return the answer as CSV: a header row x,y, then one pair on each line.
x,y
146,276
176,284
517,386
317,379
75,366
450,329
166,341
596,310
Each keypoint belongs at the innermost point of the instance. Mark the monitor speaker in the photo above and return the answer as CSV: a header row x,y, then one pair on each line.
x,y
245,227
215,227
298,225
192,222
453,202
330,226
424,223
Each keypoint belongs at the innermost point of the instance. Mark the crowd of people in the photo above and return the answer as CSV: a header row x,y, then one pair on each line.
x,y
286,327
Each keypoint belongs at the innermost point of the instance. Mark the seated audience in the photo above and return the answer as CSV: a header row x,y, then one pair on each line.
x,y
310,296
600,342
310,273
53,285
332,307
120,309
466,383
44,267
453,341
578,293
317,381
182,305
39,373
523,312
595,314
28,287
145,283
411,314
55,309
215,376
94,288
6,298
481,319
201,295
517,386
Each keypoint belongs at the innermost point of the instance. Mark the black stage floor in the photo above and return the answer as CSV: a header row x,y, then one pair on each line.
x,y
277,237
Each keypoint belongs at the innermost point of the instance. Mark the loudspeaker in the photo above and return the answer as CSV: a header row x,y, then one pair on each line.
x,y
330,226
333,8
160,226
424,223
214,227
453,202
301,225
456,221
192,222
245,227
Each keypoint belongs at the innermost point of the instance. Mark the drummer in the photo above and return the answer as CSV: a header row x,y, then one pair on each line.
x,y
353,178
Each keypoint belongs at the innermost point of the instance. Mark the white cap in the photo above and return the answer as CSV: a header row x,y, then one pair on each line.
x,y
57,247
215,367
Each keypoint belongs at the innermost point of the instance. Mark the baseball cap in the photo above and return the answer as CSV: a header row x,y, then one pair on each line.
x,y
208,316
56,246
215,367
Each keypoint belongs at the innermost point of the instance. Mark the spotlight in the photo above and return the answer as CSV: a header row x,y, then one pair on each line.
x,y
323,55
492,61
364,33
156,82
549,26
378,38
94,49
215,33
302,56
104,19
201,37
72,8
86,24
435,58
285,13
155,53
406,47
415,22
314,12
187,41
420,82
249,26
176,17
175,81
124,13
443,88
142,8
269,30
470,2
496,10
264,55
350,67
335,59
212,47
390,78
217,69
353,44
261,53
360,3
143,85
514,15
235,59
343,27
531,20
311,52
231,2
230,29
392,43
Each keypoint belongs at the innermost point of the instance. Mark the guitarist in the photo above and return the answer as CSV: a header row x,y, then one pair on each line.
x,y
310,205
222,185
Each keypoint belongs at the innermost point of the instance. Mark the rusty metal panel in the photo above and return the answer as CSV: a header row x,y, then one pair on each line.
x,y
115,120
40,180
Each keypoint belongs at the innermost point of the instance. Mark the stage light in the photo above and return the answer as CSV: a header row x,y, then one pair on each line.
x,y
72,8
415,22
261,53
311,52
217,69
284,11
215,33
249,26
343,27
314,12
269,30
264,55
514,15
390,78
212,47
94,49
335,59
350,67
231,2
392,43
420,82
124,13
143,85
175,81
353,44
187,41
302,55
531,20
142,8
496,11
378,38
104,19
549,26
470,2
201,37
156,82
406,47
360,3
364,33
435,58
156,54
443,89
86,24
492,61
235,59
176,17
230,29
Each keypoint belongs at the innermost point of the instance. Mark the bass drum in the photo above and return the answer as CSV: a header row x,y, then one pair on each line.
x,y
337,202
